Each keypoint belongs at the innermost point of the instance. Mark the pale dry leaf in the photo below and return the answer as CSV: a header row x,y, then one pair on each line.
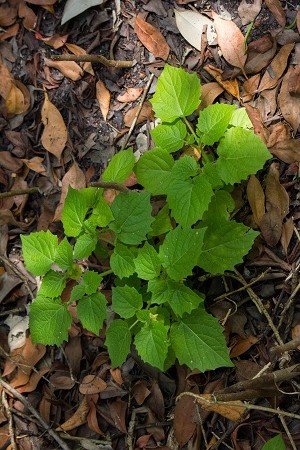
x,y
278,132
231,41
145,113
103,98
76,50
6,80
276,194
242,345
294,81
69,69
250,86
256,198
277,10
287,233
234,413
56,41
130,95
9,32
191,23
78,418
289,104
277,67
55,134
74,7
28,16
91,384
287,150
8,13
151,38
35,164
209,93
231,86
248,11
15,102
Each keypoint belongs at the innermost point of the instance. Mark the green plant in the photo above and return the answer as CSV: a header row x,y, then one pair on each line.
x,y
276,443
152,255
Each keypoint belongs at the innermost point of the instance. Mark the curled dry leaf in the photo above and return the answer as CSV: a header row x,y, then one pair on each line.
x,y
8,13
35,164
278,132
15,102
276,69
78,418
225,409
231,41
91,384
151,38
248,11
242,345
289,104
209,93
287,233
56,41
271,226
277,10
256,198
275,193
130,95
69,69
287,150
260,54
146,113
6,81
231,86
29,18
76,50
103,98
294,81
9,32
255,117
55,133
191,26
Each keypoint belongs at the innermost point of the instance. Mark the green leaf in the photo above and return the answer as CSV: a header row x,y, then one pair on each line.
x,y
39,251
220,207
198,341
225,245
120,166
132,213
77,292
184,168
53,284
91,281
91,311
180,298
213,122
64,255
180,251
118,340
126,301
169,136
153,170
189,199
147,263
152,343
162,222
121,261
101,215
240,118
177,94
49,321
241,153
276,443
75,209
211,172
85,245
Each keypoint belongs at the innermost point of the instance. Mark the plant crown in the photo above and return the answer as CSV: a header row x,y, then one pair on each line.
x,y
154,237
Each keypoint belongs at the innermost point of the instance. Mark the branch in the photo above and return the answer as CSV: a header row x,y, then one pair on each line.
x,y
110,185
93,59
32,190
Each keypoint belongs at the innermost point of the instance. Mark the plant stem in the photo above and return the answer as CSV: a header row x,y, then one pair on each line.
x,y
203,154
134,324
107,272
249,29
110,185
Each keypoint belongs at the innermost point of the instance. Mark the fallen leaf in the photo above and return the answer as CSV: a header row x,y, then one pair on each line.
x,y
42,2
277,10
278,132
287,150
55,134
29,18
259,128
277,67
287,233
140,391
6,80
260,54
117,411
249,11
184,425
130,95
262,45
294,81
73,8
275,193
103,98
209,93
234,413
296,332
146,113
35,164
92,415
289,104
191,23
267,103
15,102
250,87
151,38
271,226
298,20
56,41
91,384
78,418
231,86
9,162
8,13
242,346
9,32
256,198
231,41
33,380
69,69
76,50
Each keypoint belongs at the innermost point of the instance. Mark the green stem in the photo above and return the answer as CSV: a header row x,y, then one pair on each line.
x,y
108,272
190,128
291,25
106,240
249,29
205,158
134,324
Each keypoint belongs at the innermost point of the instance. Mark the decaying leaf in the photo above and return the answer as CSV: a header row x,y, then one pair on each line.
x,y
242,345
78,418
225,409
15,101
277,10
276,68
130,95
248,11
191,23
231,86
289,104
231,41
278,132
91,384
146,113
275,193
209,93
294,81
56,41
287,233
69,69
287,150
256,198
76,50
103,98
151,38
73,8
259,128
55,133
271,226
184,425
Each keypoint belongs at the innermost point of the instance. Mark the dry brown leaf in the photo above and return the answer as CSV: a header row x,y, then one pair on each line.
x,y
289,104
277,10
118,411
296,332
260,54
234,413
267,103
76,50
242,345
209,93
287,233
6,80
91,384
271,226
250,86
56,41
249,11
74,178
55,134
15,102
278,132
61,379
276,194
33,381
42,2
256,198
130,95
231,86
29,18
231,41
146,113
8,13
184,427
103,98
255,117
276,68
69,69
35,164
78,418
92,415
9,162
294,81
287,150
151,38
9,32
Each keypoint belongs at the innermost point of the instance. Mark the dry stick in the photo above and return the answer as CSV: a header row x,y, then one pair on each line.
x,y
19,274
10,422
138,111
32,190
291,345
287,432
288,304
94,59
34,412
110,185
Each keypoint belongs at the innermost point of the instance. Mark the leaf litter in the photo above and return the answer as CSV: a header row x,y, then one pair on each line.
x,y
64,137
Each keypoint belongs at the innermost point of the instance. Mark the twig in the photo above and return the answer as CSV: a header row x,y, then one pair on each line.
x,y
291,345
32,190
131,430
10,422
138,111
34,412
288,304
110,185
93,59
287,432
19,274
